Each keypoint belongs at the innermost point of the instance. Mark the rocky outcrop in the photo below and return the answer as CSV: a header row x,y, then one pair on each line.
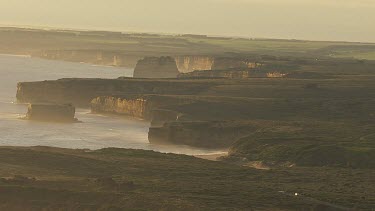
x,y
80,92
224,63
185,111
185,64
232,73
141,106
188,64
98,57
156,67
51,112
128,105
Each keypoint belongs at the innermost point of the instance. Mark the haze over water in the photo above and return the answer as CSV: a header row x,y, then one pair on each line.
x,y
96,131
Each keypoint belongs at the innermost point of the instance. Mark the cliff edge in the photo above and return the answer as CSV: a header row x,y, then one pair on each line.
x,y
51,112
156,67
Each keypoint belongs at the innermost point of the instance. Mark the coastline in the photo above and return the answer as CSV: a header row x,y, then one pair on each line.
x,y
61,60
212,157
16,55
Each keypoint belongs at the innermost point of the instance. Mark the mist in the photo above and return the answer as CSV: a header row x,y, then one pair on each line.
x,y
348,20
176,105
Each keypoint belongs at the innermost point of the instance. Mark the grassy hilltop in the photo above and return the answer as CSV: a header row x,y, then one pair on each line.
x,y
118,179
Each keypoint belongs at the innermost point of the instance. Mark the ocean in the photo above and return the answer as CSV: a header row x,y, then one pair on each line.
x,y
95,131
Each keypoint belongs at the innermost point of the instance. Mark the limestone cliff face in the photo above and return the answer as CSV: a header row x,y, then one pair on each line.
x,y
141,106
156,67
233,73
51,112
224,63
131,105
76,91
80,92
187,64
107,58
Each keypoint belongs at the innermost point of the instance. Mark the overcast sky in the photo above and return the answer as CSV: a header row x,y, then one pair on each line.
x,y
350,20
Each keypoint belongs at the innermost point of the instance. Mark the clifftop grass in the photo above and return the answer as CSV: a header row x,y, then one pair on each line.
x,y
118,179
318,144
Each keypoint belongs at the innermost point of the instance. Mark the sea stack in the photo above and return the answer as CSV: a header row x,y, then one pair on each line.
x,y
51,112
156,67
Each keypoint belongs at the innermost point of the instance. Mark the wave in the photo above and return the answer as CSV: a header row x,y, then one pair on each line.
x,y
11,115
16,55
7,102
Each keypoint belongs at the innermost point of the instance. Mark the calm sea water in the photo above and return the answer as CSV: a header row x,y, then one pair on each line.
x,y
96,131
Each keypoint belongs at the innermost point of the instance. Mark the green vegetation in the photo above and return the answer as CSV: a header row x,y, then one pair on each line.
x,y
333,113
117,179
350,51
308,144
28,41
314,129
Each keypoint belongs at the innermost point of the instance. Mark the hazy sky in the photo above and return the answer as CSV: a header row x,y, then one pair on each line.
x,y
351,20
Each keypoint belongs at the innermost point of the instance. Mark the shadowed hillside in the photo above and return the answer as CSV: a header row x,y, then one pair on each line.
x,y
117,179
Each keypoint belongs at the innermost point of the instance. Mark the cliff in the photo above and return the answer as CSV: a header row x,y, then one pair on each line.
x,y
80,92
224,63
233,73
187,64
130,105
141,106
98,57
178,107
206,134
51,112
244,68
156,67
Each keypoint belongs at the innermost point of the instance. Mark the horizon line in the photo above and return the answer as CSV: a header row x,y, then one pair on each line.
x,y
46,28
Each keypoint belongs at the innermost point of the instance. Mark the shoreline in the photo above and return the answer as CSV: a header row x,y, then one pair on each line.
x,y
16,55
61,60
212,157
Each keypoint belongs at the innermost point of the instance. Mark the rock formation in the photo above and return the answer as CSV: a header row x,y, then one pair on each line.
x,y
155,67
80,92
188,64
51,112
128,105
141,106
99,57
185,111
232,73
224,63
185,64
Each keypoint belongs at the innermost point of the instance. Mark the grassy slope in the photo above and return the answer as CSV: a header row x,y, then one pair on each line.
x,y
330,124
309,144
143,180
